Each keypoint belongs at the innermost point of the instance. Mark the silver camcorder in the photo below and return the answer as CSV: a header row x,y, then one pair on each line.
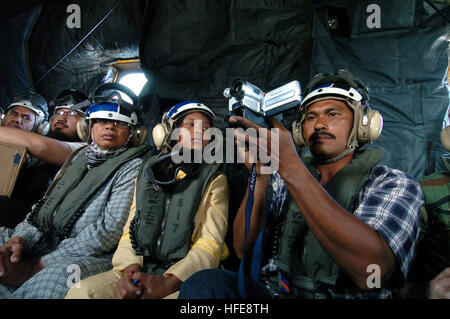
x,y
249,101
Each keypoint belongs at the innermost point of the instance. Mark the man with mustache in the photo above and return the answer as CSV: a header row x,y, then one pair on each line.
x,y
336,224
47,152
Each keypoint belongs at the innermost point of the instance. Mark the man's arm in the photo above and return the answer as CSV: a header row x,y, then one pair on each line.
x,y
353,243
257,219
47,149
350,242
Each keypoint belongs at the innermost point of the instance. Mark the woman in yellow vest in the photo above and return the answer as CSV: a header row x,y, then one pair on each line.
x,y
178,219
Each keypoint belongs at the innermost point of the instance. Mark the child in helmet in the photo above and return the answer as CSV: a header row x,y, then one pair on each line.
x,y
72,231
178,220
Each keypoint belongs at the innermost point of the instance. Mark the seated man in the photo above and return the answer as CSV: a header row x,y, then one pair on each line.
x,y
433,251
47,153
77,224
159,256
338,224
28,112
69,108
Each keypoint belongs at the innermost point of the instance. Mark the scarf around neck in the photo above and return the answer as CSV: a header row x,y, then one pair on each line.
x,y
97,155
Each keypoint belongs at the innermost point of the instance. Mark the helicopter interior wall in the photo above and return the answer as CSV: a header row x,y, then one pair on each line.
x,y
196,48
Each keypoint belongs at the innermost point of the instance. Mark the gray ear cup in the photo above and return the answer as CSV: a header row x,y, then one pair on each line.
x,y
445,138
297,133
160,133
370,125
139,136
83,130
43,128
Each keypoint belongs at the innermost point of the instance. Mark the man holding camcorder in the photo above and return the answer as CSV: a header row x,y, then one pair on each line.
x,y
334,225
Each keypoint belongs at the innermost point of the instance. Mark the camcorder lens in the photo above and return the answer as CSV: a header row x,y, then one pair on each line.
x,y
236,89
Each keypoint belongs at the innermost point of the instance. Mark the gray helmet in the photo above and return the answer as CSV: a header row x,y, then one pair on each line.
x,y
33,101
71,99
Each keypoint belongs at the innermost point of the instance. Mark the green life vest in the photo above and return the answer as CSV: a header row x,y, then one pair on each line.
x,y
309,267
436,192
433,252
64,201
162,227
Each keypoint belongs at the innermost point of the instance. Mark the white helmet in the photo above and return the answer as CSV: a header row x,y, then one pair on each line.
x,y
37,103
111,111
109,105
343,86
161,132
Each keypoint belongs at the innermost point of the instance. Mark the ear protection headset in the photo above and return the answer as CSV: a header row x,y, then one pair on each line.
x,y
35,102
161,132
343,86
445,138
108,104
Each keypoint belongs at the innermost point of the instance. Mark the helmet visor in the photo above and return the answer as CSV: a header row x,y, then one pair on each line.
x,y
111,111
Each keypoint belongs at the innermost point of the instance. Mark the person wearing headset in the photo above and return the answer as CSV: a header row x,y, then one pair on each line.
x,y
69,107
28,111
51,141
430,271
46,153
73,230
338,224
178,220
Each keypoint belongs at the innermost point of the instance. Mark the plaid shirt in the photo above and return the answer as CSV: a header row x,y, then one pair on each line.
x,y
389,203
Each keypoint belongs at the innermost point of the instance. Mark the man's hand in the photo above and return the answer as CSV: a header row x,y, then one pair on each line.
x,y
246,145
286,151
10,254
125,288
157,287
440,285
15,270
270,149
15,245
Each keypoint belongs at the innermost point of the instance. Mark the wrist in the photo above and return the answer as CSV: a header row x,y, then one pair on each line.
x,y
289,168
261,181
262,177
173,282
17,240
131,268
39,265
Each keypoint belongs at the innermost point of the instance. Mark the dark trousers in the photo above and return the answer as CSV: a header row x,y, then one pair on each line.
x,y
218,284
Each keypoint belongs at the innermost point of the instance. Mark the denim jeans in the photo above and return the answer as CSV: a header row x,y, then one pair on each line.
x,y
218,284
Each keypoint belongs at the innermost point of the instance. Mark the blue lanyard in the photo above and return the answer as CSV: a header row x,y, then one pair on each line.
x,y
257,251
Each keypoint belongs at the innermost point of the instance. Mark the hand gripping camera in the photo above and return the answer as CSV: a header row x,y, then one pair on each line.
x,y
250,102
